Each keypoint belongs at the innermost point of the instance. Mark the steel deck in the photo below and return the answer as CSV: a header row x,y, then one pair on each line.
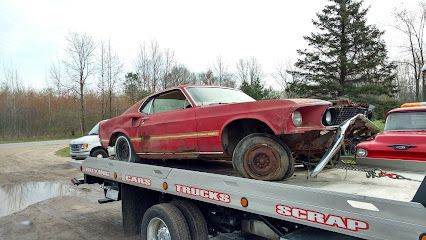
x,y
337,200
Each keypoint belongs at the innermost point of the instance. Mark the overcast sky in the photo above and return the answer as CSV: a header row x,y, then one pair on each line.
x,y
32,33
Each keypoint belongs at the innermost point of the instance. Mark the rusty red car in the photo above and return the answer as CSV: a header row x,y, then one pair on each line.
x,y
263,139
402,144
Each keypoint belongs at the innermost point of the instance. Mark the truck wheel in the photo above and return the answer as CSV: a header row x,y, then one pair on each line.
x,y
124,150
195,219
264,157
164,221
99,153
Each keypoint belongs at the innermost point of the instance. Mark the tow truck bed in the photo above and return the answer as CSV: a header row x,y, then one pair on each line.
x,y
337,200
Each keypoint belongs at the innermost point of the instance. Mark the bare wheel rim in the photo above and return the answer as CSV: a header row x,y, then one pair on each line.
x,y
261,160
123,150
158,230
99,155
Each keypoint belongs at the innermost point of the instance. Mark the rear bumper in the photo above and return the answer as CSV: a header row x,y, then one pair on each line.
x,y
400,164
80,155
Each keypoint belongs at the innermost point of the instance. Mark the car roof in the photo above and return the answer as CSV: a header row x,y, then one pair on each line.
x,y
408,109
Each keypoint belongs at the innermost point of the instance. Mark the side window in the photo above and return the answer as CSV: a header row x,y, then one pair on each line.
x,y
169,101
147,108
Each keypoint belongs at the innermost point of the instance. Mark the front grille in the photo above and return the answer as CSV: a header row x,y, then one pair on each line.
x,y
75,147
341,114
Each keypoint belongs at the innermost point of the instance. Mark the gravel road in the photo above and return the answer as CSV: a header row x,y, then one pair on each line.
x,y
34,183
38,202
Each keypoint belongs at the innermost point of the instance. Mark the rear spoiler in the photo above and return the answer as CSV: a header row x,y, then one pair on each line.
x,y
420,196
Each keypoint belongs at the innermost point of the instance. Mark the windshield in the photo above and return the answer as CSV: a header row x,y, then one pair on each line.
x,y
95,130
214,95
406,121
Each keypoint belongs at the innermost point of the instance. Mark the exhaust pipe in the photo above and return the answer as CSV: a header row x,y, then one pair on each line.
x,y
340,136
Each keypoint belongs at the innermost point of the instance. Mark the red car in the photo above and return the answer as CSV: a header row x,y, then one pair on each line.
x,y
403,142
263,138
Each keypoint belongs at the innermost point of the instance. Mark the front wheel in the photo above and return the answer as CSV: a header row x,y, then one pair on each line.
x,y
124,150
99,153
263,157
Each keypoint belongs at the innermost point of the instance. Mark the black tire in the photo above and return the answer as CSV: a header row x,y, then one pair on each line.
x,y
171,216
124,149
195,219
264,157
98,153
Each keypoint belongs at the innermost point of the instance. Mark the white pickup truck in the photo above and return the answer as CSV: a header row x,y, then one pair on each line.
x,y
89,145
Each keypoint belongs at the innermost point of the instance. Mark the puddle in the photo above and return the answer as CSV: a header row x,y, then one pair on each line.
x,y
14,198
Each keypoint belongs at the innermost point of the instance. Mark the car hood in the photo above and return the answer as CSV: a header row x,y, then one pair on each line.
x,y
85,139
406,137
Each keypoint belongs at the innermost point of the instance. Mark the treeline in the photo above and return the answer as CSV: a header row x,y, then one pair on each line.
x,y
28,114
90,83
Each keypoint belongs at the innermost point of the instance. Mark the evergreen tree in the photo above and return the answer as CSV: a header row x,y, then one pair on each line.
x,y
256,90
346,56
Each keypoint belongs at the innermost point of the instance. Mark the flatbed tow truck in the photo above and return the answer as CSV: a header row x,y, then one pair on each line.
x,y
197,199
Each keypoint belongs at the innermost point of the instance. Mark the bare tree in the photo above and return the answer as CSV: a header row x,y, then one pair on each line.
x,y
143,67
79,66
222,75
156,64
169,63
55,76
405,82
114,70
249,70
101,81
283,77
220,70
242,71
412,25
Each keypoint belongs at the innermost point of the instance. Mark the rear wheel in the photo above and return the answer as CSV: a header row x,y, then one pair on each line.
x,y
164,221
264,157
195,219
124,150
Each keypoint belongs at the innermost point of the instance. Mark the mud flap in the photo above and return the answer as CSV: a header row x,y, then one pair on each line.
x,y
420,196
134,202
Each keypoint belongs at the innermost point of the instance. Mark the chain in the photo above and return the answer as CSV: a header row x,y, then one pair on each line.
x,y
371,172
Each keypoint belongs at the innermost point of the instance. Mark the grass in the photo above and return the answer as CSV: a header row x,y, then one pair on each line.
x,y
380,124
37,138
63,152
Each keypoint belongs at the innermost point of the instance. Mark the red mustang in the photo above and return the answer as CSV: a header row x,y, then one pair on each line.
x,y
263,138
403,142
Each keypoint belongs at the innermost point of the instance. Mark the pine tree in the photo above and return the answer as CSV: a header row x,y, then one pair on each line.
x,y
346,57
257,90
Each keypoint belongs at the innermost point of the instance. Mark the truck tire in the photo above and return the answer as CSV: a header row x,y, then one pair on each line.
x,y
99,153
196,222
264,157
164,221
124,149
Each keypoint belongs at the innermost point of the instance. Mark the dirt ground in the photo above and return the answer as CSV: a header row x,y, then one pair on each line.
x,y
37,200
75,216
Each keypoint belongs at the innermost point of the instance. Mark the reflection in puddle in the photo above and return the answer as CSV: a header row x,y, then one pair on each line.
x,y
14,198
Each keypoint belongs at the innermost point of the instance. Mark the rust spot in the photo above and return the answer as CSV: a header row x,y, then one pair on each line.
x,y
261,161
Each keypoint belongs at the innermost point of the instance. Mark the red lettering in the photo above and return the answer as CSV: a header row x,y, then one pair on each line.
x,y
320,218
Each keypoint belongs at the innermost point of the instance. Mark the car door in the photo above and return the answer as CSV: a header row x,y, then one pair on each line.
x,y
168,126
